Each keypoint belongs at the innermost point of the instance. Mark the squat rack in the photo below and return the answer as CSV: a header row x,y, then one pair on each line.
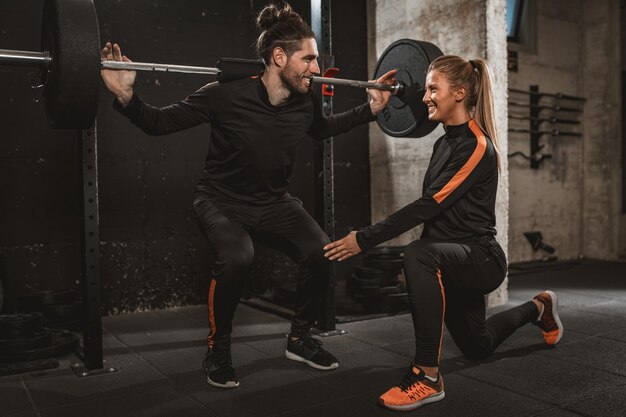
x,y
90,238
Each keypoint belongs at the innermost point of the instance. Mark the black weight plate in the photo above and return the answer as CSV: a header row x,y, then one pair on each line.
x,y
19,333
396,251
63,311
70,34
62,342
406,115
71,325
358,282
40,338
36,300
396,299
394,265
370,291
16,325
384,257
12,368
364,272
393,289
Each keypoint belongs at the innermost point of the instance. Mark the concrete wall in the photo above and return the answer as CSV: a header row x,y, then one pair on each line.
x,y
602,129
574,198
622,229
468,28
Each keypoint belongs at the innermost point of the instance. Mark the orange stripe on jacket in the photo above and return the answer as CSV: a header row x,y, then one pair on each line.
x,y
211,312
443,314
469,166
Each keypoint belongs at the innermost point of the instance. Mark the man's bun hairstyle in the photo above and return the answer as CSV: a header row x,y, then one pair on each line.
x,y
280,27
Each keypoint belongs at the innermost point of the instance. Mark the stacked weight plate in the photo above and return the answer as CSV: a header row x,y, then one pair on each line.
x,y
26,346
60,308
378,284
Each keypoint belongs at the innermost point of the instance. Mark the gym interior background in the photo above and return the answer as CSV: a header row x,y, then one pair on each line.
x,y
152,255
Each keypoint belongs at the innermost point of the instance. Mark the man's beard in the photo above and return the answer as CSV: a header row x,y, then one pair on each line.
x,y
293,81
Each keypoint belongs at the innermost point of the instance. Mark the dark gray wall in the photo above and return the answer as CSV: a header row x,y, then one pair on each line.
x,y
152,254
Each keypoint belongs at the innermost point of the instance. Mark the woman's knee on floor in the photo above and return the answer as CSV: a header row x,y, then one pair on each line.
x,y
477,349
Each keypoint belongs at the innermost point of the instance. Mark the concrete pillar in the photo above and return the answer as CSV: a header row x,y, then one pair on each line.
x,y
601,166
470,29
548,199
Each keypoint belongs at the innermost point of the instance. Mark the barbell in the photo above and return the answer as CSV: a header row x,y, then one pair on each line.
x,y
70,64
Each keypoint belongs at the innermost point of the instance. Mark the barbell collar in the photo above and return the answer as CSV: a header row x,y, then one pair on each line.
x,y
24,58
153,67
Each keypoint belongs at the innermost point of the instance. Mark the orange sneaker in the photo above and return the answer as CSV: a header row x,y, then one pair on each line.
x,y
549,321
413,391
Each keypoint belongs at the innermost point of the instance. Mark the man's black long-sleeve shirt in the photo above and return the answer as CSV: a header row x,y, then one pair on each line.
x,y
253,143
458,195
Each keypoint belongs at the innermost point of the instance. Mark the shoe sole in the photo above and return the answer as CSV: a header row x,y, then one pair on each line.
x,y
229,384
297,358
555,314
432,399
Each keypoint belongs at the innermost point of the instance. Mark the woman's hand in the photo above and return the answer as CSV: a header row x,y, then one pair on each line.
x,y
119,82
380,98
343,248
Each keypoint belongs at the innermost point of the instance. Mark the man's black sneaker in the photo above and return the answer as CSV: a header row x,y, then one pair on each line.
x,y
309,350
219,370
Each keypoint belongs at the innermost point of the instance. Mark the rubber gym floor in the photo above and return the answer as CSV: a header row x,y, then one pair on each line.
x,y
158,354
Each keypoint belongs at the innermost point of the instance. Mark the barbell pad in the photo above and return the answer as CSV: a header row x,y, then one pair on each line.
x,y
70,33
237,68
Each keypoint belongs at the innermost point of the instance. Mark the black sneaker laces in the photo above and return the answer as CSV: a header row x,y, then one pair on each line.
x,y
546,322
311,342
409,379
221,358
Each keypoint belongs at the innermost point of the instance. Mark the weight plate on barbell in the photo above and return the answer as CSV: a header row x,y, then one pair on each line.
x,y
406,115
69,32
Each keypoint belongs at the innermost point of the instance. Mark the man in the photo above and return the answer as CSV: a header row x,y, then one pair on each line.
x,y
256,125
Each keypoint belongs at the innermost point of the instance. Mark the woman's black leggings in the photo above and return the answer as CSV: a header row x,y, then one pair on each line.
x,y
447,281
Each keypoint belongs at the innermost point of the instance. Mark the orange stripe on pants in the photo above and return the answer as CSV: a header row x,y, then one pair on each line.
x,y
211,313
443,314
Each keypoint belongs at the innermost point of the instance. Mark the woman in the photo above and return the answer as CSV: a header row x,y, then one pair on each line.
x,y
457,260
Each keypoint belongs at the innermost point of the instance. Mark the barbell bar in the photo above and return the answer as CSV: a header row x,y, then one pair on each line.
x,y
144,66
70,65
24,58
43,60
